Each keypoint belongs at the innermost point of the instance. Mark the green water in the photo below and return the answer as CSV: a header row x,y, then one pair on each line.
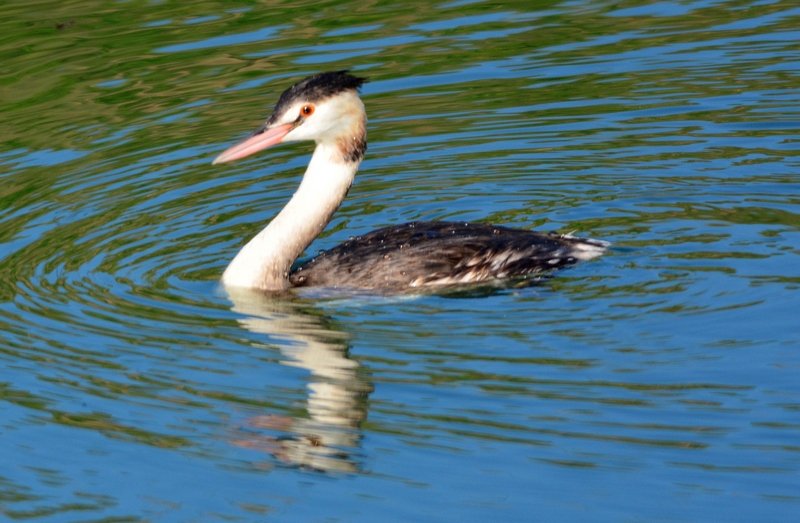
x,y
657,383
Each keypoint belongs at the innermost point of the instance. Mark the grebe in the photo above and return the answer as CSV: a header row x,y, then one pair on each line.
x,y
325,108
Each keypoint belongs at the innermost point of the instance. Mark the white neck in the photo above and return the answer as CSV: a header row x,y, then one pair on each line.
x,y
264,263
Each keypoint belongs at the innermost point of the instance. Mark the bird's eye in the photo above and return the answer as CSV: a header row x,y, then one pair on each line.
x,y
307,110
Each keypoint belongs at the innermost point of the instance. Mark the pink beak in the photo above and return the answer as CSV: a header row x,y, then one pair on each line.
x,y
254,143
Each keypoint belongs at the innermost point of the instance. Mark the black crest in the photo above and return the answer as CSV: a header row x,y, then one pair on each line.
x,y
316,88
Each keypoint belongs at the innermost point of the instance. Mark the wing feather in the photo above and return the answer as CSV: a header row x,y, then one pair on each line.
x,y
420,254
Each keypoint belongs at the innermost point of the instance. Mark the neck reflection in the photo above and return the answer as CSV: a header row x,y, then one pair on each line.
x,y
328,438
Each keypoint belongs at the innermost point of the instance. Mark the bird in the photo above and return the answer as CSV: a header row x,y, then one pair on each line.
x,y
326,108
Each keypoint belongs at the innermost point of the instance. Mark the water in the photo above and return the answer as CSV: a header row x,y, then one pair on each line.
x,y
658,383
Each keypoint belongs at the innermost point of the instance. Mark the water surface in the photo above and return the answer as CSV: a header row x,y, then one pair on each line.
x,y
657,383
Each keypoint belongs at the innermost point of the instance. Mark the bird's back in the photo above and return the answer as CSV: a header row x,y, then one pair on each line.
x,y
420,254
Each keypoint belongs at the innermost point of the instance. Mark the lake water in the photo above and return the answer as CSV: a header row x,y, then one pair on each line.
x,y
660,382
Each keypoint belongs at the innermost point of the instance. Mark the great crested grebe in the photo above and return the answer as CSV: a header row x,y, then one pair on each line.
x,y
325,108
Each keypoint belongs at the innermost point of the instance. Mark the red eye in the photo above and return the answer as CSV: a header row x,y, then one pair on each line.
x,y
307,110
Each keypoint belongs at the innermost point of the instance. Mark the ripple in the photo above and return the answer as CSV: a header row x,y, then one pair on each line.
x,y
667,367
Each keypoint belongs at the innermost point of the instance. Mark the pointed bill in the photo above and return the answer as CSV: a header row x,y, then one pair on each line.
x,y
255,142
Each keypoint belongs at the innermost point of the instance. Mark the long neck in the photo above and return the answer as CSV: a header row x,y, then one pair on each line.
x,y
264,263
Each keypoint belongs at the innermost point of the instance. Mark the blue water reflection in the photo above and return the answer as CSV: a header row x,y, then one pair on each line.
x,y
656,383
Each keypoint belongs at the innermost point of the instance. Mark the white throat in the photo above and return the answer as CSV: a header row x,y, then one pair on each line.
x,y
265,262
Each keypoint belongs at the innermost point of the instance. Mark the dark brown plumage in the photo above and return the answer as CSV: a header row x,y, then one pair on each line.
x,y
440,253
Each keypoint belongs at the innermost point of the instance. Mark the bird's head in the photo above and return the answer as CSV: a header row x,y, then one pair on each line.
x,y
324,108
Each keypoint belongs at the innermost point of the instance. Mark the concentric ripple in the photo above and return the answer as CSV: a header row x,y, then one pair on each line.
x,y
658,382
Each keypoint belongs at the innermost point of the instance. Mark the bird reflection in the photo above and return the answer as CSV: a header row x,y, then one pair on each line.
x,y
328,439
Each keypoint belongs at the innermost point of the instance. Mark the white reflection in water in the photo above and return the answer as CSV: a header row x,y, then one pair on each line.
x,y
328,439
